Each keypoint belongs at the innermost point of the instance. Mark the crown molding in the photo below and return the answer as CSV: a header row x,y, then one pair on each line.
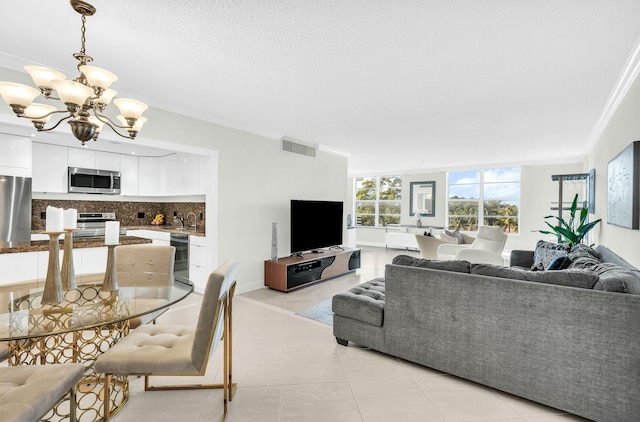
x,y
627,76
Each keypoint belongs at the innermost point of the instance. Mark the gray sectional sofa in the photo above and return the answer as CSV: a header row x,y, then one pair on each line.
x,y
575,347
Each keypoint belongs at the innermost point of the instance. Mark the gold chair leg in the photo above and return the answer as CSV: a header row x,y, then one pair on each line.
x,y
107,396
73,405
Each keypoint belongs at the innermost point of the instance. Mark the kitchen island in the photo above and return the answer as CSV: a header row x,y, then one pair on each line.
x,y
28,260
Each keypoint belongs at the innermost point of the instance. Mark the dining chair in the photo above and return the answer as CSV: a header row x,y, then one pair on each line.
x,y
179,350
145,266
28,392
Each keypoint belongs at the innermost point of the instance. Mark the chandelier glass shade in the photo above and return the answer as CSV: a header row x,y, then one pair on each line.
x,y
85,98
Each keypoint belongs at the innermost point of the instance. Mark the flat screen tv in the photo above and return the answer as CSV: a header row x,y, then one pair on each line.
x,y
315,225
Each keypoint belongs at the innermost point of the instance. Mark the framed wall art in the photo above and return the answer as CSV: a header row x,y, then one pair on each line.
x,y
623,182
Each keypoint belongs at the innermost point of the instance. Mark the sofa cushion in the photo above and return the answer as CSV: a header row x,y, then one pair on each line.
x,y
409,261
614,278
364,302
571,277
545,252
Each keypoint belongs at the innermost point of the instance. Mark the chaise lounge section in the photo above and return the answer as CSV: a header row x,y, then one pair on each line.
x,y
568,347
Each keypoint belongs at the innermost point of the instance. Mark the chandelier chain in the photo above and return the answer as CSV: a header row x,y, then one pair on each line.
x,y
83,38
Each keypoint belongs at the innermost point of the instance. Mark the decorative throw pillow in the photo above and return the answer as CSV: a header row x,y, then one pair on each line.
x,y
561,262
455,234
546,252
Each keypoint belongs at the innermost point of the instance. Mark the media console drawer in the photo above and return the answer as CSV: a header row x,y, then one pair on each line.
x,y
290,273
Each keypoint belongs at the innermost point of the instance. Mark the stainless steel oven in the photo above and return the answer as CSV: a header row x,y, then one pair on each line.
x,y
181,264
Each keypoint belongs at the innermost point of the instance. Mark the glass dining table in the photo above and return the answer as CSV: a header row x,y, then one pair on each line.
x,y
81,327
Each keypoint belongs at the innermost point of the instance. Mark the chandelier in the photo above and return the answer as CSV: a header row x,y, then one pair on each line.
x,y
85,98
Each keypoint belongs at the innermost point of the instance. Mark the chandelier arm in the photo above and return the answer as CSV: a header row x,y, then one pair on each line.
x,y
42,129
46,115
107,121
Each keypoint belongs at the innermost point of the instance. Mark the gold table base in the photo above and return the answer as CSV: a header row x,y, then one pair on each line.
x,y
80,346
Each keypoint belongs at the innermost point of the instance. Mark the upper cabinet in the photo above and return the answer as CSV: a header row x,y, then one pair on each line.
x,y
14,160
170,175
188,173
129,175
90,159
49,168
149,176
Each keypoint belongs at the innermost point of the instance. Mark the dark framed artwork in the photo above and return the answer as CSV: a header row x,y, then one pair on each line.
x,y
422,199
623,182
592,191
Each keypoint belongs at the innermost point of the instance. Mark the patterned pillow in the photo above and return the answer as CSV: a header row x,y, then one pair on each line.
x,y
546,252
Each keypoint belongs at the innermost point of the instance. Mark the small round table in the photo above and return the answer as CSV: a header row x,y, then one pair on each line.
x,y
78,329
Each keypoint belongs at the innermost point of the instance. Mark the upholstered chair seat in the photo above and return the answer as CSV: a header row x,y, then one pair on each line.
x,y
28,392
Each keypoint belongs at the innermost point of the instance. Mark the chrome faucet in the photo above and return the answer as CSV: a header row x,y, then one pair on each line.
x,y
195,219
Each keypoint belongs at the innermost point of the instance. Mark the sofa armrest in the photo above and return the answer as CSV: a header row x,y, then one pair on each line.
x,y
521,258
480,256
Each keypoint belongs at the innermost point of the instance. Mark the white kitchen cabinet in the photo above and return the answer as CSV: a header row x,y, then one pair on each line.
x,y
49,168
204,174
129,176
149,176
169,175
198,261
15,159
107,161
17,267
81,157
188,173
157,237
91,159
91,260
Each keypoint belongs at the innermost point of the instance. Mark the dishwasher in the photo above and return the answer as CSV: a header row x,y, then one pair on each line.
x,y
181,263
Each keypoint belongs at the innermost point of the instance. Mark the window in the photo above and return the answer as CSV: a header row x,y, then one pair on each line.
x,y
378,200
490,196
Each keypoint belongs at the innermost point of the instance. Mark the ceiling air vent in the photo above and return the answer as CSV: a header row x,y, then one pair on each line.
x,y
290,145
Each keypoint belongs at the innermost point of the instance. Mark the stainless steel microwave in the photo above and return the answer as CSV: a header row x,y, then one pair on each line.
x,y
83,180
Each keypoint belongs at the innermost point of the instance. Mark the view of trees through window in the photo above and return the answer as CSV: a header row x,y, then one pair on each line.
x,y
378,200
491,197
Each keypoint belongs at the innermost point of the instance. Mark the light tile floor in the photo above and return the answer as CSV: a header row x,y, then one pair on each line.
x,y
290,369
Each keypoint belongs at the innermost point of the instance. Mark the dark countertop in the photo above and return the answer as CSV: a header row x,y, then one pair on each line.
x,y
168,228
78,243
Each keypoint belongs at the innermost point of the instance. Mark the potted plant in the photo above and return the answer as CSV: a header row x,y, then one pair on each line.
x,y
574,230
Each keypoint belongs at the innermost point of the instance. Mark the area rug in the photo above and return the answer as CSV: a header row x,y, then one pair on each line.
x,y
320,312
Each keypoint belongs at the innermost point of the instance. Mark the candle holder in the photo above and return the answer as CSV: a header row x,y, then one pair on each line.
x,y
110,283
67,272
53,293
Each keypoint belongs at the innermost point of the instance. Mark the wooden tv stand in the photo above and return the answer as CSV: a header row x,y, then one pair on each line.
x,y
293,272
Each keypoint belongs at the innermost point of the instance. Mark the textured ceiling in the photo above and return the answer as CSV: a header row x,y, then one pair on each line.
x,y
400,85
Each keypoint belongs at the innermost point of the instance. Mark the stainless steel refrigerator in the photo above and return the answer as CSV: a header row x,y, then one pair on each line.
x,y
15,209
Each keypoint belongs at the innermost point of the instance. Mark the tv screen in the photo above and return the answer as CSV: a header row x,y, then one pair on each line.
x,y
315,225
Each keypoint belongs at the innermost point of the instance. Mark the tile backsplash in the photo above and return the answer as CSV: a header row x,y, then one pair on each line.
x,y
128,213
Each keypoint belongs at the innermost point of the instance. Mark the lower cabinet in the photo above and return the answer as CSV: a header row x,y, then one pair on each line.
x,y
198,261
28,266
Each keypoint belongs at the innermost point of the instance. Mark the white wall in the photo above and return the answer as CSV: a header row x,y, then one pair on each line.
x,y
256,181
623,128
